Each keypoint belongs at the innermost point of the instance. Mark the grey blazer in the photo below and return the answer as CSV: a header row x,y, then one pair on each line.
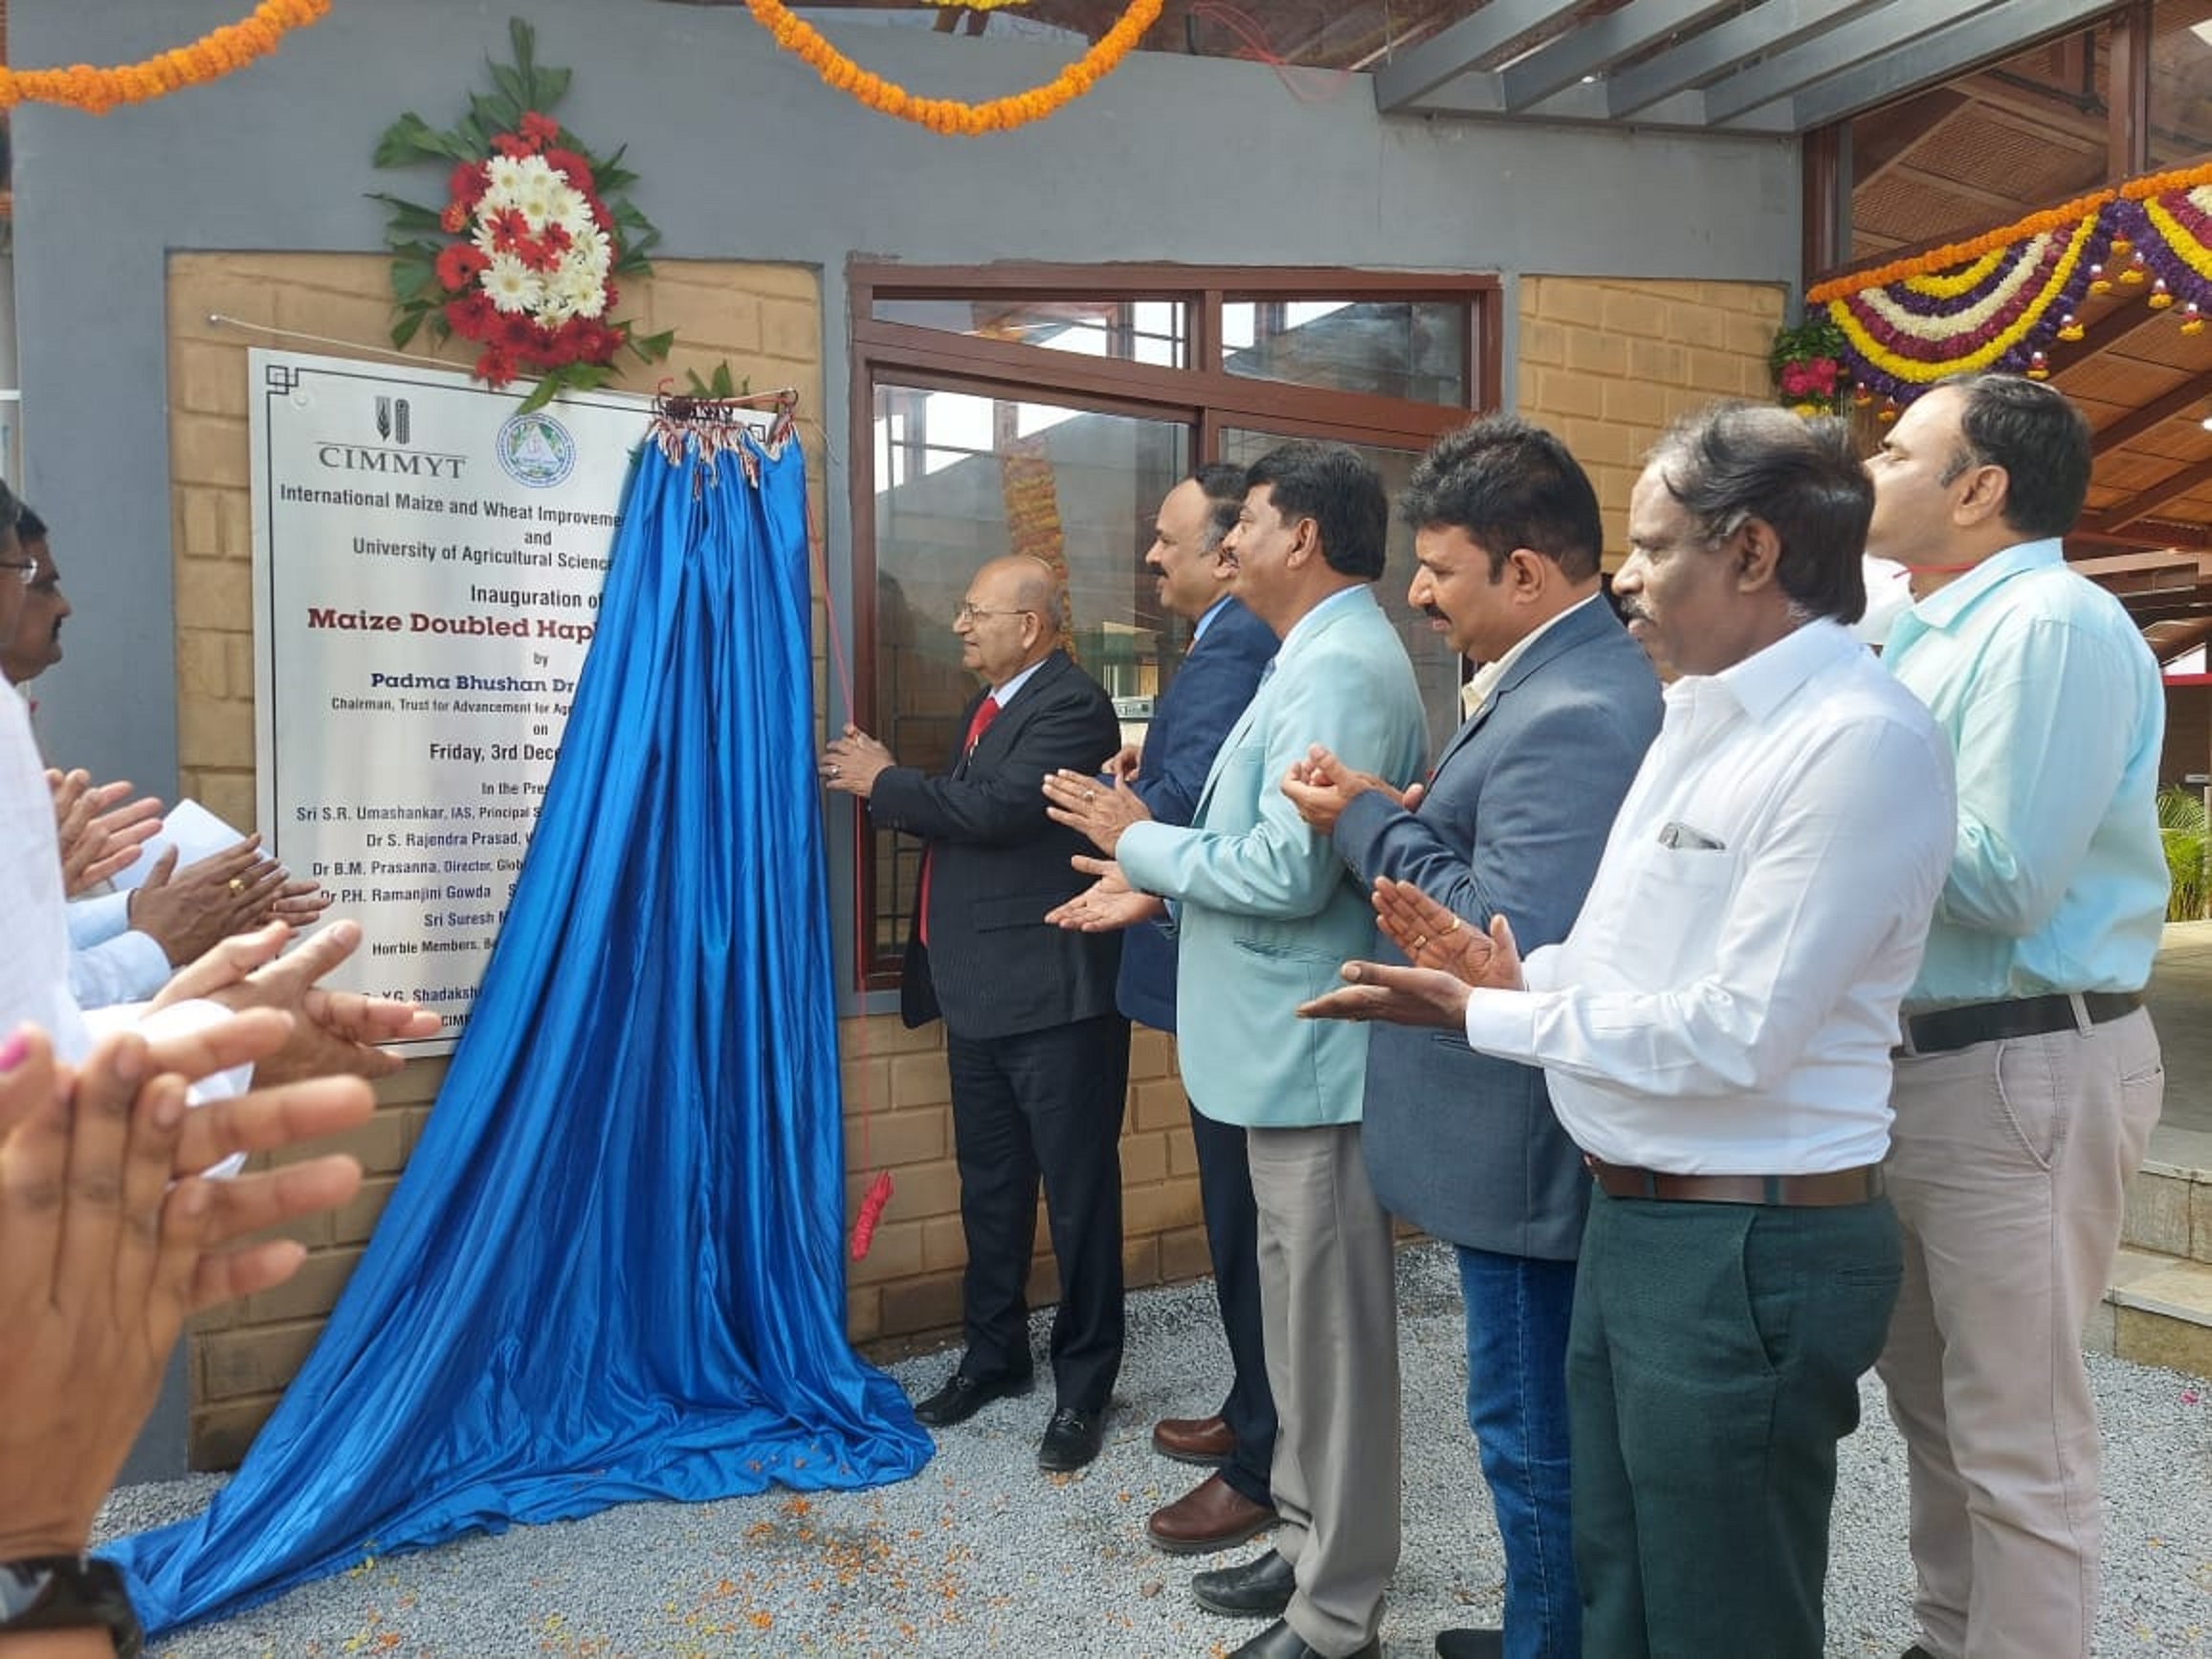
x,y
1462,1146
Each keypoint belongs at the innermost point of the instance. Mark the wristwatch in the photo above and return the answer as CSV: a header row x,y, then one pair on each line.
x,y
69,1593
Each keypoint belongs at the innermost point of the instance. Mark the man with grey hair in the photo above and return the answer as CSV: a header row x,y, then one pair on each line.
x,y
1715,1033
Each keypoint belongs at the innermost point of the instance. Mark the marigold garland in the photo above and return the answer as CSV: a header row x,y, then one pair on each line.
x,y
213,55
1938,261
947,115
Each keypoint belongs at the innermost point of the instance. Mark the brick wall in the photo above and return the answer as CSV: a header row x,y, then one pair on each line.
x,y
1608,362
766,319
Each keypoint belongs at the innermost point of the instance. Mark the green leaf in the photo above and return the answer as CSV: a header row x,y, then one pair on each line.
x,y
552,86
516,90
524,41
412,277
406,328
544,393
404,142
409,215
652,347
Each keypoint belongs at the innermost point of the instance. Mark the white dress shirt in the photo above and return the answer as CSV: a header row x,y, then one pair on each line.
x,y
1727,1001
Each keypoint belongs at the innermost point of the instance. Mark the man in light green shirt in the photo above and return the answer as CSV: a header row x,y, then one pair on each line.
x,y
2029,1075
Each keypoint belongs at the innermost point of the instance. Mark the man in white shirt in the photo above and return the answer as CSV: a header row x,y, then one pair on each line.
x,y
1715,1033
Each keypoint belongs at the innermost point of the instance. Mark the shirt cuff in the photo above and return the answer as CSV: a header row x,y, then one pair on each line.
x,y
1503,1024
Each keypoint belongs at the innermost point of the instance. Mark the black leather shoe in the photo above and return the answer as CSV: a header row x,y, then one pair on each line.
x,y
1477,1644
963,1396
1071,1438
1259,1589
1278,1641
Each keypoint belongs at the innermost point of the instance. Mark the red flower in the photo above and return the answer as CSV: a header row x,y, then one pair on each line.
x,y
541,130
455,219
459,265
569,162
472,317
510,229
613,296
508,145
468,184
495,369
518,332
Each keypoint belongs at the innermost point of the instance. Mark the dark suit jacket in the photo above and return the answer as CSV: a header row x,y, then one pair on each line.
x,y
1463,1145
993,967
1211,688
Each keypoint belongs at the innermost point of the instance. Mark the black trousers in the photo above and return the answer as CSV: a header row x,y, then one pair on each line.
x,y
1232,1233
1042,1105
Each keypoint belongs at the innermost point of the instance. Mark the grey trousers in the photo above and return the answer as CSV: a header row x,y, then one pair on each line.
x,y
1327,1305
2008,1163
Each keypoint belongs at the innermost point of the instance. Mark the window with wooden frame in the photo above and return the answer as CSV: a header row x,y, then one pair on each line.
x,y
1049,409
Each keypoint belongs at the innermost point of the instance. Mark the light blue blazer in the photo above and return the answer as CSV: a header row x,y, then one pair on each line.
x,y
1267,911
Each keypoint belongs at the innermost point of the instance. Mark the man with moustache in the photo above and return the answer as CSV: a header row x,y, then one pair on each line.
x,y
1716,1031
1037,1052
1230,649
124,946
1263,904
1466,1147
2029,1076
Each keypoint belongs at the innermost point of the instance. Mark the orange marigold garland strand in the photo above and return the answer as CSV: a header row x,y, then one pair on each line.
x,y
947,115
213,55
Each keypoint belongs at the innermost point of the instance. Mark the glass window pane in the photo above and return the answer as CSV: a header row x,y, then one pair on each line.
x,y
1416,351
1435,665
961,478
1154,331
2180,81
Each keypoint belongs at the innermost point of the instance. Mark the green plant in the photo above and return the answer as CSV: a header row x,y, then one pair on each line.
x,y
1807,365
2186,827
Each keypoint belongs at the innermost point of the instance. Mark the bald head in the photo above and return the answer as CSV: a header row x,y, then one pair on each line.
x,y
1011,618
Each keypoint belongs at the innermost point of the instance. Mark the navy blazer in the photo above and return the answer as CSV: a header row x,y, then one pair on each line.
x,y
1211,688
1463,1145
993,967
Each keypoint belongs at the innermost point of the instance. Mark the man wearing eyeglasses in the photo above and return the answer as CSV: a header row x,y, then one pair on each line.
x,y
1037,1052
34,645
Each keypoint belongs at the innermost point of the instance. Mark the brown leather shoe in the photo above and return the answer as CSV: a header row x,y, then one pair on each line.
x,y
1206,1440
1212,1515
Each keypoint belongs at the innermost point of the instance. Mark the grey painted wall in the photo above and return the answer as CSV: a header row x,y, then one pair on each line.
x,y
744,156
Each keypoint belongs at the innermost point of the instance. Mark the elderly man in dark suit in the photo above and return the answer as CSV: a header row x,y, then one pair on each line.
x,y
1037,1052
1230,649
1507,535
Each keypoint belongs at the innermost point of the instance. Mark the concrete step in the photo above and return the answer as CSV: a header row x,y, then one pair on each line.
x,y
2170,1199
2159,1312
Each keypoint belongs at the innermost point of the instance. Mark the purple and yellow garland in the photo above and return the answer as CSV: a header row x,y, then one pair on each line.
x,y
2002,300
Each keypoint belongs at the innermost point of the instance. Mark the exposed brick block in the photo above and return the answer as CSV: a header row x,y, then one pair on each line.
x,y
1592,352
920,1189
1568,301
919,1080
1181,1152
1633,312
203,667
924,1304
1544,342
1696,325
1171,1203
893,1139
221,1433
212,733
1140,1261
791,328
1658,362
1158,1105
894,1253
863,1314
214,595
1565,392
1184,1254
310,1293
943,1243
1143,1158
354,1223
258,1359
209,449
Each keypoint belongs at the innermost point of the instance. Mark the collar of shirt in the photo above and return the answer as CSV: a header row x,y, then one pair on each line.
x,y
1952,600
1344,599
1004,694
1199,628
1490,675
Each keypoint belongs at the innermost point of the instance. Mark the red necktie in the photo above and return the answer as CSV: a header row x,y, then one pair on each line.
x,y
979,723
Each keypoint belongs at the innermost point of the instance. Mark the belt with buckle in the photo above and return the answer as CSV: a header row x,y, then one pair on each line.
x,y
1948,1029
1825,1190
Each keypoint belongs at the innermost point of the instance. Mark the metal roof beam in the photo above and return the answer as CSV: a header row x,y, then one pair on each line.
x,y
1596,46
1773,27
1957,37
1874,39
1451,52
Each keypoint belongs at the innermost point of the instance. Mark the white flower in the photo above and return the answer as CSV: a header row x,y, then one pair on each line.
x,y
511,286
578,289
574,215
503,177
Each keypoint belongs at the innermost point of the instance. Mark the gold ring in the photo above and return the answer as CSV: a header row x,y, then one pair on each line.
x,y
1089,794
834,769
1420,939
237,886
1455,927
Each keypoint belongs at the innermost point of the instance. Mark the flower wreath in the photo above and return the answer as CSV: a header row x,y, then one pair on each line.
x,y
523,257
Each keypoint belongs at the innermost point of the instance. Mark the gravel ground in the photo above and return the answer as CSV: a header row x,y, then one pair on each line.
x,y
980,1553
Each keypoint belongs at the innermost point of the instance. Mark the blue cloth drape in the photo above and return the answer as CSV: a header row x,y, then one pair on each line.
x,y
613,1267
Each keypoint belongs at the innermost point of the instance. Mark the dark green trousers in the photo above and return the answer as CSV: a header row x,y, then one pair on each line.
x,y
1713,1365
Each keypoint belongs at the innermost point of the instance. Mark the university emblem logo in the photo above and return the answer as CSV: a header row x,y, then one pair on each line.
x,y
535,450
